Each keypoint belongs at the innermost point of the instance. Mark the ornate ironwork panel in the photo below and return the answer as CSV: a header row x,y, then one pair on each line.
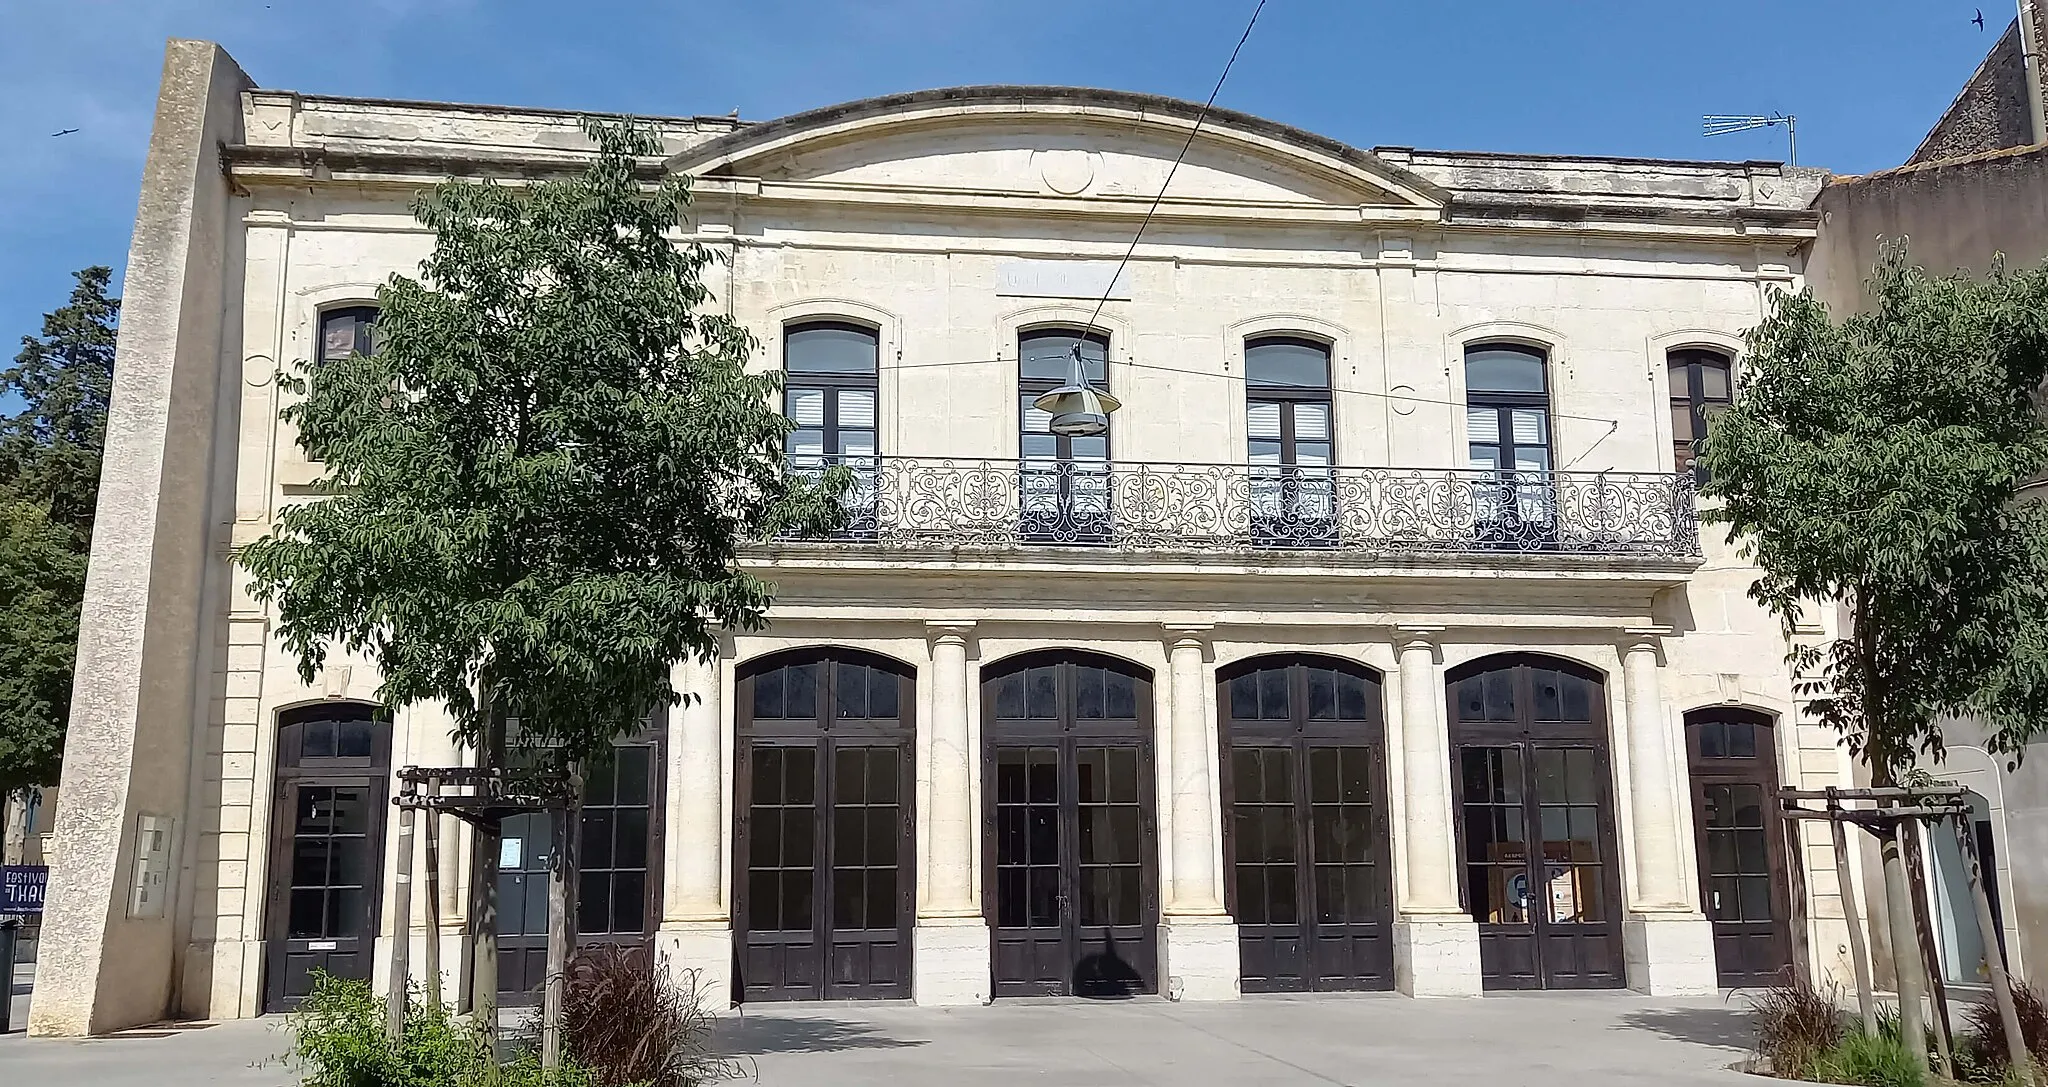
x,y
912,503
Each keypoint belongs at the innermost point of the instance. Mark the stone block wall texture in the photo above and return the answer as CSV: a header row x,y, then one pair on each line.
x,y
129,748
1991,112
1956,215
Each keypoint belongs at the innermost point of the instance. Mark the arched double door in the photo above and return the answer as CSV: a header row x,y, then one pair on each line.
x,y
326,847
1069,839
1535,814
1304,781
823,897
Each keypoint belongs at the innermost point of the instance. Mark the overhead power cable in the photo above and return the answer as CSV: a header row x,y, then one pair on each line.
x,y
1110,287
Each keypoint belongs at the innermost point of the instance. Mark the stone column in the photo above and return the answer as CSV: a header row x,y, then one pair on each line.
x,y
1198,938
1667,942
950,946
1436,944
696,928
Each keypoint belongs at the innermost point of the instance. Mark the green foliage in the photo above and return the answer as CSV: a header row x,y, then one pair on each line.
x,y
1874,461
338,1040
1795,1025
50,451
629,1022
49,486
1984,1030
1874,1060
42,581
539,483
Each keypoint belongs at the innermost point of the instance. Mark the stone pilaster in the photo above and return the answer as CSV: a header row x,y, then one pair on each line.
x,y
1198,940
1436,944
695,938
950,945
1667,943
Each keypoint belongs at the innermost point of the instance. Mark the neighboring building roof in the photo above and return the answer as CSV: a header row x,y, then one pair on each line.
x,y
1991,111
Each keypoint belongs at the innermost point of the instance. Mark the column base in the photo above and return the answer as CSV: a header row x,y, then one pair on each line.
x,y
698,955
1436,955
1199,958
1670,954
949,961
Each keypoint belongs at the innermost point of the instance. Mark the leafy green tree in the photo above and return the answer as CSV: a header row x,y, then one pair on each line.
x,y
539,482
1874,462
49,486
50,451
42,580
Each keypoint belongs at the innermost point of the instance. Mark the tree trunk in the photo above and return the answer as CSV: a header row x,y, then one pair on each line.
x,y
401,923
561,918
432,949
1899,918
483,913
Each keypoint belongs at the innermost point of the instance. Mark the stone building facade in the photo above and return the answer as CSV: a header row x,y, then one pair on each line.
x,y
1376,646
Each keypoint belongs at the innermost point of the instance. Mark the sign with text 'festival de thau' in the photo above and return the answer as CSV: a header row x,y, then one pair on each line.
x,y
21,888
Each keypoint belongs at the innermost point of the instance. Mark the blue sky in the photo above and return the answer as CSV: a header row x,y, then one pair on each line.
x,y
1865,77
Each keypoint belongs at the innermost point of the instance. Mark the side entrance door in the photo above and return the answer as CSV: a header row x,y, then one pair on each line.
x,y
1068,838
1536,823
617,862
1744,887
327,847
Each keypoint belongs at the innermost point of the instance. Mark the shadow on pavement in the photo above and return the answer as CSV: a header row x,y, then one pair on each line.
x,y
1728,1027
754,1035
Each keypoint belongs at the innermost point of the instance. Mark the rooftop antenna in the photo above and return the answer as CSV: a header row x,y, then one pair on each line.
x,y
1721,124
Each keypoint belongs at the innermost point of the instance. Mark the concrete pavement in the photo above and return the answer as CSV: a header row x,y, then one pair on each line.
x,y
1538,1040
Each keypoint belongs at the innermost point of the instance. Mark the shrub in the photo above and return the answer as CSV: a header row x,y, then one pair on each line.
x,y
1795,1025
337,1040
629,1022
1984,1034
1873,1060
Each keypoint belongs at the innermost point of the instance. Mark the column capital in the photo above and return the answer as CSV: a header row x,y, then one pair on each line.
x,y
1418,637
948,631
1190,635
1644,639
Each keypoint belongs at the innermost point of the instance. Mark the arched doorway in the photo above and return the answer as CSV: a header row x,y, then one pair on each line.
x,y
1535,816
1069,841
823,896
1744,887
1304,780
326,847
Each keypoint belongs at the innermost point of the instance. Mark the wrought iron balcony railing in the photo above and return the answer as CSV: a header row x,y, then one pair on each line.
x,y
988,504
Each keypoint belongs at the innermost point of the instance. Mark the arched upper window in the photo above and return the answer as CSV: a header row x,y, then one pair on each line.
x,y
831,370
1044,359
1507,407
1701,384
1287,401
347,331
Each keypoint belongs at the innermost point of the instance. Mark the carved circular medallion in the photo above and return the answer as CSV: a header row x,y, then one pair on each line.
x,y
1066,172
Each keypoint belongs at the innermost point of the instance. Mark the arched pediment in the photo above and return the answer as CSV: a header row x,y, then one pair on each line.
x,y
1087,150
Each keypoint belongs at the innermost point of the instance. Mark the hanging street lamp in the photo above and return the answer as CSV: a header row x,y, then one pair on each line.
x,y
1078,408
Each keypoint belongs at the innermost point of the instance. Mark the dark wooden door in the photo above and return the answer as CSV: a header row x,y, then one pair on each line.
x,y
327,848
1069,838
1305,783
1536,823
824,898
1744,887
